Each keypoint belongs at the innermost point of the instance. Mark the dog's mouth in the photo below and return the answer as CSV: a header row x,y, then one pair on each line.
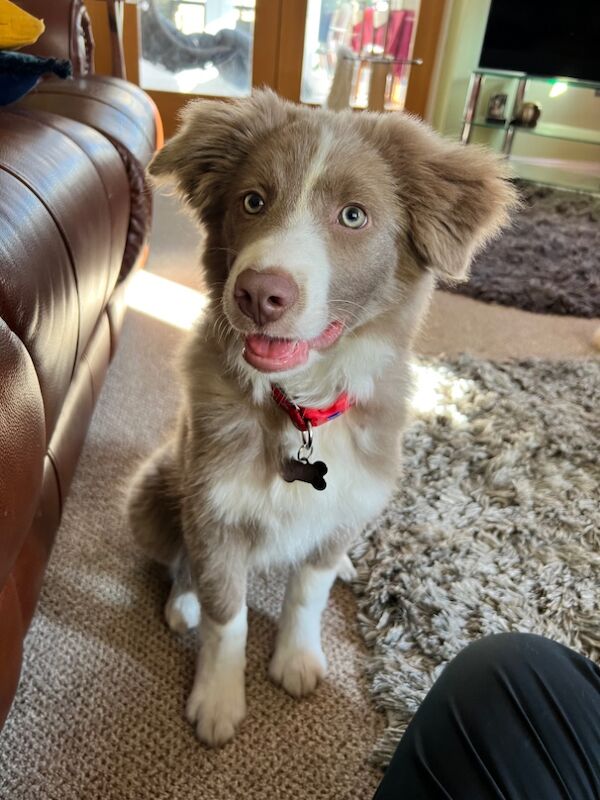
x,y
269,354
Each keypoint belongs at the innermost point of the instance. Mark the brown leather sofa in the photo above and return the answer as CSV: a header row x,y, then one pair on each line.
x,y
74,217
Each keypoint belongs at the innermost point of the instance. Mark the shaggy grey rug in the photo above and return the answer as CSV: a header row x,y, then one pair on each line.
x,y
549,261
495,527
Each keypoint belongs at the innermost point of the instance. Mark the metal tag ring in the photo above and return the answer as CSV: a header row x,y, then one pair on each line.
x,y
306,448
307,436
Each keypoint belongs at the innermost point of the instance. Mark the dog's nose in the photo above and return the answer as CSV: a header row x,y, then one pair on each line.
x,y
265,296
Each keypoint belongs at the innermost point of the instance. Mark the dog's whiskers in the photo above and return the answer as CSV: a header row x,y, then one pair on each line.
x,y
346,302
352,315
220,328
223,329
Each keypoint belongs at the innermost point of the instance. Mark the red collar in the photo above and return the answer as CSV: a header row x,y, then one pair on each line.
x,y
300,415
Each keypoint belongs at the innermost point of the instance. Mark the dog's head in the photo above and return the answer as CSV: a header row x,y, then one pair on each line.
x,y
319,222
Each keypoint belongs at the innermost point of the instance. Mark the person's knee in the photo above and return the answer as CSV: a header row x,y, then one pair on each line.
x,y
508,647
502,652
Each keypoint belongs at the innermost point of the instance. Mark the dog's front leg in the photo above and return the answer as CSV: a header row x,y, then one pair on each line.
x,y
217,703
299,662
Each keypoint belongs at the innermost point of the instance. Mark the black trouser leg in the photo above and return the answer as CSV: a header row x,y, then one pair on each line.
x,y
514,716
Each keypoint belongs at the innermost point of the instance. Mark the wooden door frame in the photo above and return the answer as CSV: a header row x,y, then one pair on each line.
x,y
97,9
427,45
288,81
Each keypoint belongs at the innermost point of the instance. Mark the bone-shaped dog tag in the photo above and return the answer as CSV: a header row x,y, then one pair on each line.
x,y
301,470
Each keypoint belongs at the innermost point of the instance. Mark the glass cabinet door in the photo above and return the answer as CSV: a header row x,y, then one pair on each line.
x,y
377,37
197,46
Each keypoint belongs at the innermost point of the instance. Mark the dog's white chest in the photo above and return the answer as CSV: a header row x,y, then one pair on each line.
x,y
294,518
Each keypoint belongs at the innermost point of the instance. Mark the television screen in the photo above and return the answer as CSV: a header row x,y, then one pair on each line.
x,y
549,38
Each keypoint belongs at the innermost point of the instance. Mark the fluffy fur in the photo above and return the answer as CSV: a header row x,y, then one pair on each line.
x,y
212,504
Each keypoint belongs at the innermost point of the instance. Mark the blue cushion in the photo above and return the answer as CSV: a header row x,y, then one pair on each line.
x,y
19,73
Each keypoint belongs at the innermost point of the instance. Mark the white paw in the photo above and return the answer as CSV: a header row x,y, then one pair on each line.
x,y
346,571
297,670
216,708
182,612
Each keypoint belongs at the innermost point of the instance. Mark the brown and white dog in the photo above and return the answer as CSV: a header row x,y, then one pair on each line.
x,y
324,235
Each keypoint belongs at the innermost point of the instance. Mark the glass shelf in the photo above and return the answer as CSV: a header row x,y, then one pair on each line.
x,y
575,177
571,82
547,129
562,169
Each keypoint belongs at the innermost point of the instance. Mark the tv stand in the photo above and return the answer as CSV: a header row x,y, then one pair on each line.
x,y
474,117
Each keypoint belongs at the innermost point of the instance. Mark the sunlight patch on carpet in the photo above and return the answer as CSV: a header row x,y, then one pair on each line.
x,y
165,300
438,388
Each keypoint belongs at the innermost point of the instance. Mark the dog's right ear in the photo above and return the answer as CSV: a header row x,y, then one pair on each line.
x,y
455,197
212,140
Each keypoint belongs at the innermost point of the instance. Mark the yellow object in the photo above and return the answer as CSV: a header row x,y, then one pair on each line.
x,y
17,27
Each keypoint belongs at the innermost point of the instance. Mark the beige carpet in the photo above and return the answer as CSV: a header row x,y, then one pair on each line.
x,y
99,713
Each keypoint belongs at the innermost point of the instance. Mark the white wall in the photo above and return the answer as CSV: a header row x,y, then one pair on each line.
x,y
464,37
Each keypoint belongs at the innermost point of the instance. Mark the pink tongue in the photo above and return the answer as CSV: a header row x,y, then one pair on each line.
x,y
271,348
275,355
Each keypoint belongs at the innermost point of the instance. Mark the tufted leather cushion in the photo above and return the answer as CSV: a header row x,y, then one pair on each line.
x,y
125,115
67,199
22,446
65,202
118,109
38,306
22,443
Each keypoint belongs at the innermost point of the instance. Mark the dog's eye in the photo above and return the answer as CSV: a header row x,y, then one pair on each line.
x,y
253,203
352,217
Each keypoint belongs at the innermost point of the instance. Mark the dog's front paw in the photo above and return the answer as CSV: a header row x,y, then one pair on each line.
x,y
216,707
182,612
298,670
346,570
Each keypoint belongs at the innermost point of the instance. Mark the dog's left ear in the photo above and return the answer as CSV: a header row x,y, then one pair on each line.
x,y
456,197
